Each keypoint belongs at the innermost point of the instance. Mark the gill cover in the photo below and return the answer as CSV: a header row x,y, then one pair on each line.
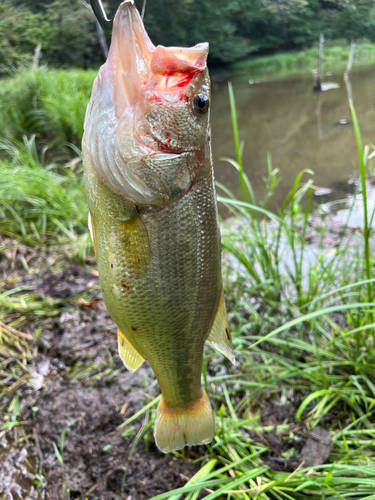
x,y
142,134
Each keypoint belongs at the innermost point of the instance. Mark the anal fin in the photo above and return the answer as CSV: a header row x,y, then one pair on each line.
x,y
130,356
219,336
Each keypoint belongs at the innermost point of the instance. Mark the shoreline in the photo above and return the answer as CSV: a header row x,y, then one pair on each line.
x,y
335,58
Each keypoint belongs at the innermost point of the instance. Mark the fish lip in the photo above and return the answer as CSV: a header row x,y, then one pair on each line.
x,y
159,155
166,155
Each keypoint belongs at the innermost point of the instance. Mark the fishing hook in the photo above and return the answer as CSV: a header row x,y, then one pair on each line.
x,y
105,23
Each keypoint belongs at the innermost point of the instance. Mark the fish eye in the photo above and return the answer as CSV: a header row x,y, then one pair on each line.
x,y
201,103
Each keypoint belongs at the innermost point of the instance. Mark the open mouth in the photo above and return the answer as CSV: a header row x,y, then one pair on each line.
x,y
135,61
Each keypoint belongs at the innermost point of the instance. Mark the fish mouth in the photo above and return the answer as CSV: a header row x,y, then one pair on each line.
x,y
138,164
162,156
133,59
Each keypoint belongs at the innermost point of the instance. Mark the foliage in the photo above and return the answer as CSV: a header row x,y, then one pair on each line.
x,y
73,40
189,22
39,200
47,103
65,30
234,29
335,57
20,31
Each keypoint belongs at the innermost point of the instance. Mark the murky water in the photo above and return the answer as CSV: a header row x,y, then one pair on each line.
x,y
299,128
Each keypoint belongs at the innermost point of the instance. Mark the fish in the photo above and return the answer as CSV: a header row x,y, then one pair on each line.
x,y
153,219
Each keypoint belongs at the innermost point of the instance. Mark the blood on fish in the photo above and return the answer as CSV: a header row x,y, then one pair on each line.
x,y
166,148
173,70
179,79
185,78
134,329
169,139
125,286
176,73
155,98
198,155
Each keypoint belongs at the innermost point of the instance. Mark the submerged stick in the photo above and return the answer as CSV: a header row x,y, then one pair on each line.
x,y
319,73
37,55
350,62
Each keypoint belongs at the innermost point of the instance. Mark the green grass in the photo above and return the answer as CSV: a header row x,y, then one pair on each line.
x,y
302,318
50,104
335,57
40,202
42,196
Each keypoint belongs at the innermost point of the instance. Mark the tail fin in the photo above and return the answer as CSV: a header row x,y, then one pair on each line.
x,y
179,427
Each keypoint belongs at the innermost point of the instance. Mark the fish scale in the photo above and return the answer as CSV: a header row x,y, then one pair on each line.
x,y
178,292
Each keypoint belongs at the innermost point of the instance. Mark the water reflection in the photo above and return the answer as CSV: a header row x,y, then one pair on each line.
x,y
299,128
353,213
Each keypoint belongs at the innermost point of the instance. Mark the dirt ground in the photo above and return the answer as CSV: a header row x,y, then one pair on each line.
x,y
78,380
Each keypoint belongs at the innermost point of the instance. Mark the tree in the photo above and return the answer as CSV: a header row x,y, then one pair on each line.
x,y
20,31
234,28
73,38
187,22
356,20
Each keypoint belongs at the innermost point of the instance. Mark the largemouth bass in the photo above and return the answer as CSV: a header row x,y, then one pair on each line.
x,y
153,216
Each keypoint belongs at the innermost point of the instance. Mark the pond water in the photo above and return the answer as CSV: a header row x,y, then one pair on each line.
x,y
299,128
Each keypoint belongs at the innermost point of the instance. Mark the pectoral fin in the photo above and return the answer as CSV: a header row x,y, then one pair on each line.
x,y
130,357
219,336
134,240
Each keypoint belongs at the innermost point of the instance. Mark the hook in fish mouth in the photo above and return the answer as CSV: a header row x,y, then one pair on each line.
x,y
101,16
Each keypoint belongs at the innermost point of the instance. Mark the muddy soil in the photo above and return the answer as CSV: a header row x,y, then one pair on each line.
x,y
78,383
79,380
98,461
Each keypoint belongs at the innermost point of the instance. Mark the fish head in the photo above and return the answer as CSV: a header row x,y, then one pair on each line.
x,y
147,131
172,112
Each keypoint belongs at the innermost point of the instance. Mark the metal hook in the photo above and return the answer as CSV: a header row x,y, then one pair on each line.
x,y
143,9
105,23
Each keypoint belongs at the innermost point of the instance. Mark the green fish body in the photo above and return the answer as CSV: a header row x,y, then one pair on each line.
x,y
153,216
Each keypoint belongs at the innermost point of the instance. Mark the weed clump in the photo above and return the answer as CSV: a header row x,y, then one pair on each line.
x,y
41,202
50,104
